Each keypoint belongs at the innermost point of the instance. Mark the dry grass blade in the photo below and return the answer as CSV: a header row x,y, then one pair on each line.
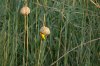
x,y
96,4
74,49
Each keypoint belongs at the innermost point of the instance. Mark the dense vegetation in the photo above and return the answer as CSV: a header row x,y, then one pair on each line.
x,y
74,39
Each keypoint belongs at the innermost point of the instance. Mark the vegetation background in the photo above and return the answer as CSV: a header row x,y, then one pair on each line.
x,y
74,38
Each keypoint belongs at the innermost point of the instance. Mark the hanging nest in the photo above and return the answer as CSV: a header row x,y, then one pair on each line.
x,y
44,31
25,10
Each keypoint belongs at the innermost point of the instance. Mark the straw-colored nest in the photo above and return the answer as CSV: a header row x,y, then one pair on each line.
x,y
25,10
45,30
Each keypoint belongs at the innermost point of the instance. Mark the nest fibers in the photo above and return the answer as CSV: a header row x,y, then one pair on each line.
x,y
25,10
44,31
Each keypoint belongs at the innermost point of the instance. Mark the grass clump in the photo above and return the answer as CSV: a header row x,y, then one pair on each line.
x,y
74,38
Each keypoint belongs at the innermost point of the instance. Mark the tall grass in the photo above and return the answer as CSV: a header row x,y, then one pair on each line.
x,y
74,38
